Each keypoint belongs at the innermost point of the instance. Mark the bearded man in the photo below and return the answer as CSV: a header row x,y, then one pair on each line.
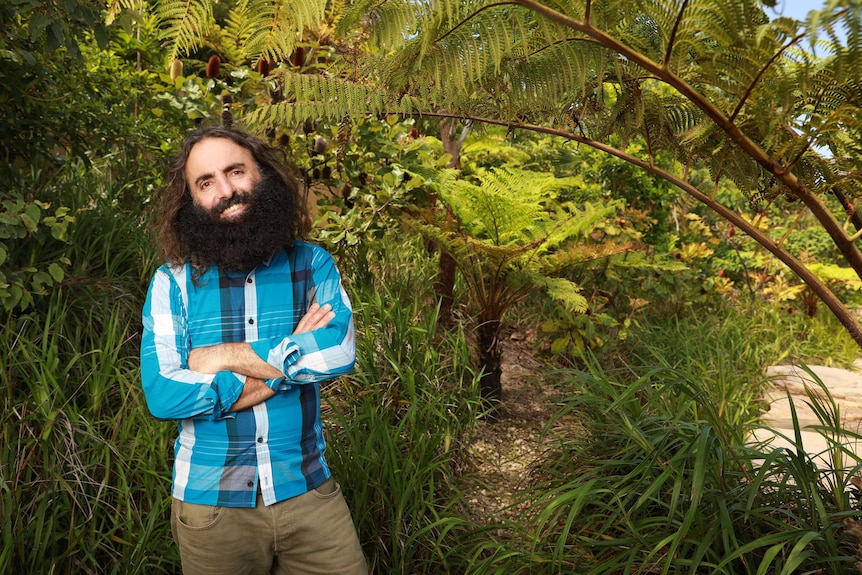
x,y
241,324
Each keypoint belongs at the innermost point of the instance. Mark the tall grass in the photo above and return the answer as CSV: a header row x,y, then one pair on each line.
x,y
661,481
84,470
79,493
397,424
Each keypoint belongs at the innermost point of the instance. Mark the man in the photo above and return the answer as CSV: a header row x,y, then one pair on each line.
x,y
240,326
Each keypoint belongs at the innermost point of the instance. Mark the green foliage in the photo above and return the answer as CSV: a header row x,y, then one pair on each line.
x,y
41,27
57,105
397,427
34,238
364,184
666,484
511,233
259,28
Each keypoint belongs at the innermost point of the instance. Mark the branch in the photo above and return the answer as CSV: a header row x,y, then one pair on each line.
x,y
848,249
759,75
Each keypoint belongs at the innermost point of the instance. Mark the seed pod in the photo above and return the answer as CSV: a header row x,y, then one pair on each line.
x,y
298,58
263,67
176,69
327,172
320,144
213,66
315,174
226,113
307,127
284,140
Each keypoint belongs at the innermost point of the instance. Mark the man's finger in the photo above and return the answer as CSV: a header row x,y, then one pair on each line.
x,y
316,318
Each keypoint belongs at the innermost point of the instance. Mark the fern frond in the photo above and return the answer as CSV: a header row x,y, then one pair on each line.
x,y
239,27
316,96
562,290
183,23
387,24
278,24
115,7
511,207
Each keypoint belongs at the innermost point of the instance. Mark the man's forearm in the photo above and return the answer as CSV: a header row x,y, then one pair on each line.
x,y
235,357
255,391
240,358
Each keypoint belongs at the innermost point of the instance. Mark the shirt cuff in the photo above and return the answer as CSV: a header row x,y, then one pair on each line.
x,y
278,384
280,354
228,387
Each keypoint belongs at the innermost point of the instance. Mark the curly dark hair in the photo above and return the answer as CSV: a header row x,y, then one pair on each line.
x,y
176,194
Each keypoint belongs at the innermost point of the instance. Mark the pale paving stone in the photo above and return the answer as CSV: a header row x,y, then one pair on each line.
x,y
844,385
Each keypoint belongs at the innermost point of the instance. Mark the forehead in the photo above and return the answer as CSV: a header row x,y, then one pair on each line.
x,y
212,155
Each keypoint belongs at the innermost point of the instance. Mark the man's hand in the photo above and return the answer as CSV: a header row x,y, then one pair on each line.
x,y
315,318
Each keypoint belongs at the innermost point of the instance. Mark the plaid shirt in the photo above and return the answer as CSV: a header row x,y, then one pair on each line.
x,y
221,457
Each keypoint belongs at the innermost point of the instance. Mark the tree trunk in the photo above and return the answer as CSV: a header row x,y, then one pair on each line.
x,y
444,286
491,365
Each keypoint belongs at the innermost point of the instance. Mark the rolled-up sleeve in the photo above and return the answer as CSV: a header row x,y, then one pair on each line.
x,y
324,353
171,389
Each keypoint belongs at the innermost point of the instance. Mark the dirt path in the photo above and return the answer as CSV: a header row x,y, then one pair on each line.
x,y
501,455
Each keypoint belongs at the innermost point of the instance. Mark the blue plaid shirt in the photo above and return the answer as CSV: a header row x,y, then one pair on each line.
x,y
221,457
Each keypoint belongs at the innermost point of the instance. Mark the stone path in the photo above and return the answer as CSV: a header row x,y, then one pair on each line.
x,y
844,385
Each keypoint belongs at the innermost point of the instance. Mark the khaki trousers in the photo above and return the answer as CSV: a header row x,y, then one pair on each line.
x,y
311,534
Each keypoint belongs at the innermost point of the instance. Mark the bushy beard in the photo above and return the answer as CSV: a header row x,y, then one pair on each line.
x,y
239,245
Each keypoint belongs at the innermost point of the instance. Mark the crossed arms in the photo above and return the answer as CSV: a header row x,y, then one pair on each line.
x,y
240,358
212,380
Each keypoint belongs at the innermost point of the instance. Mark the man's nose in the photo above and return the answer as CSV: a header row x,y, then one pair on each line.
x,y
224,187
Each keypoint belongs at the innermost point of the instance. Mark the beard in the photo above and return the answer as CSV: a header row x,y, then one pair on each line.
x,y
241,244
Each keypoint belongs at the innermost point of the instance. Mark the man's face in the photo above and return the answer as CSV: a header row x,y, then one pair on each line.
x,y
220,173
240,214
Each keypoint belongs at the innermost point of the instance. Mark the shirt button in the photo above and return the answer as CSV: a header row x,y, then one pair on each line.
x,y
260,439
251,320
250,483
249,280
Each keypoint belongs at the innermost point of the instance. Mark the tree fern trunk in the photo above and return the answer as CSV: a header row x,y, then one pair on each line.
x,y
490,362
444,287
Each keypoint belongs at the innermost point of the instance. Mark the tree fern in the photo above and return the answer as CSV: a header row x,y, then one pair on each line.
x,y
703,80
513,220
183,24
265,28
505,230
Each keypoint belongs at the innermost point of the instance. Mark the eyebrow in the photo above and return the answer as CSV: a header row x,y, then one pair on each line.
x,y
208,175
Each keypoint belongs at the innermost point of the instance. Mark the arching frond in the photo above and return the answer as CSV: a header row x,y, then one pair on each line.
x,y
184,23
312,96
267,28
277,24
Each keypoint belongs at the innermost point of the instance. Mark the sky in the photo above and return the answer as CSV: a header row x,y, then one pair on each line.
x,y
795,8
